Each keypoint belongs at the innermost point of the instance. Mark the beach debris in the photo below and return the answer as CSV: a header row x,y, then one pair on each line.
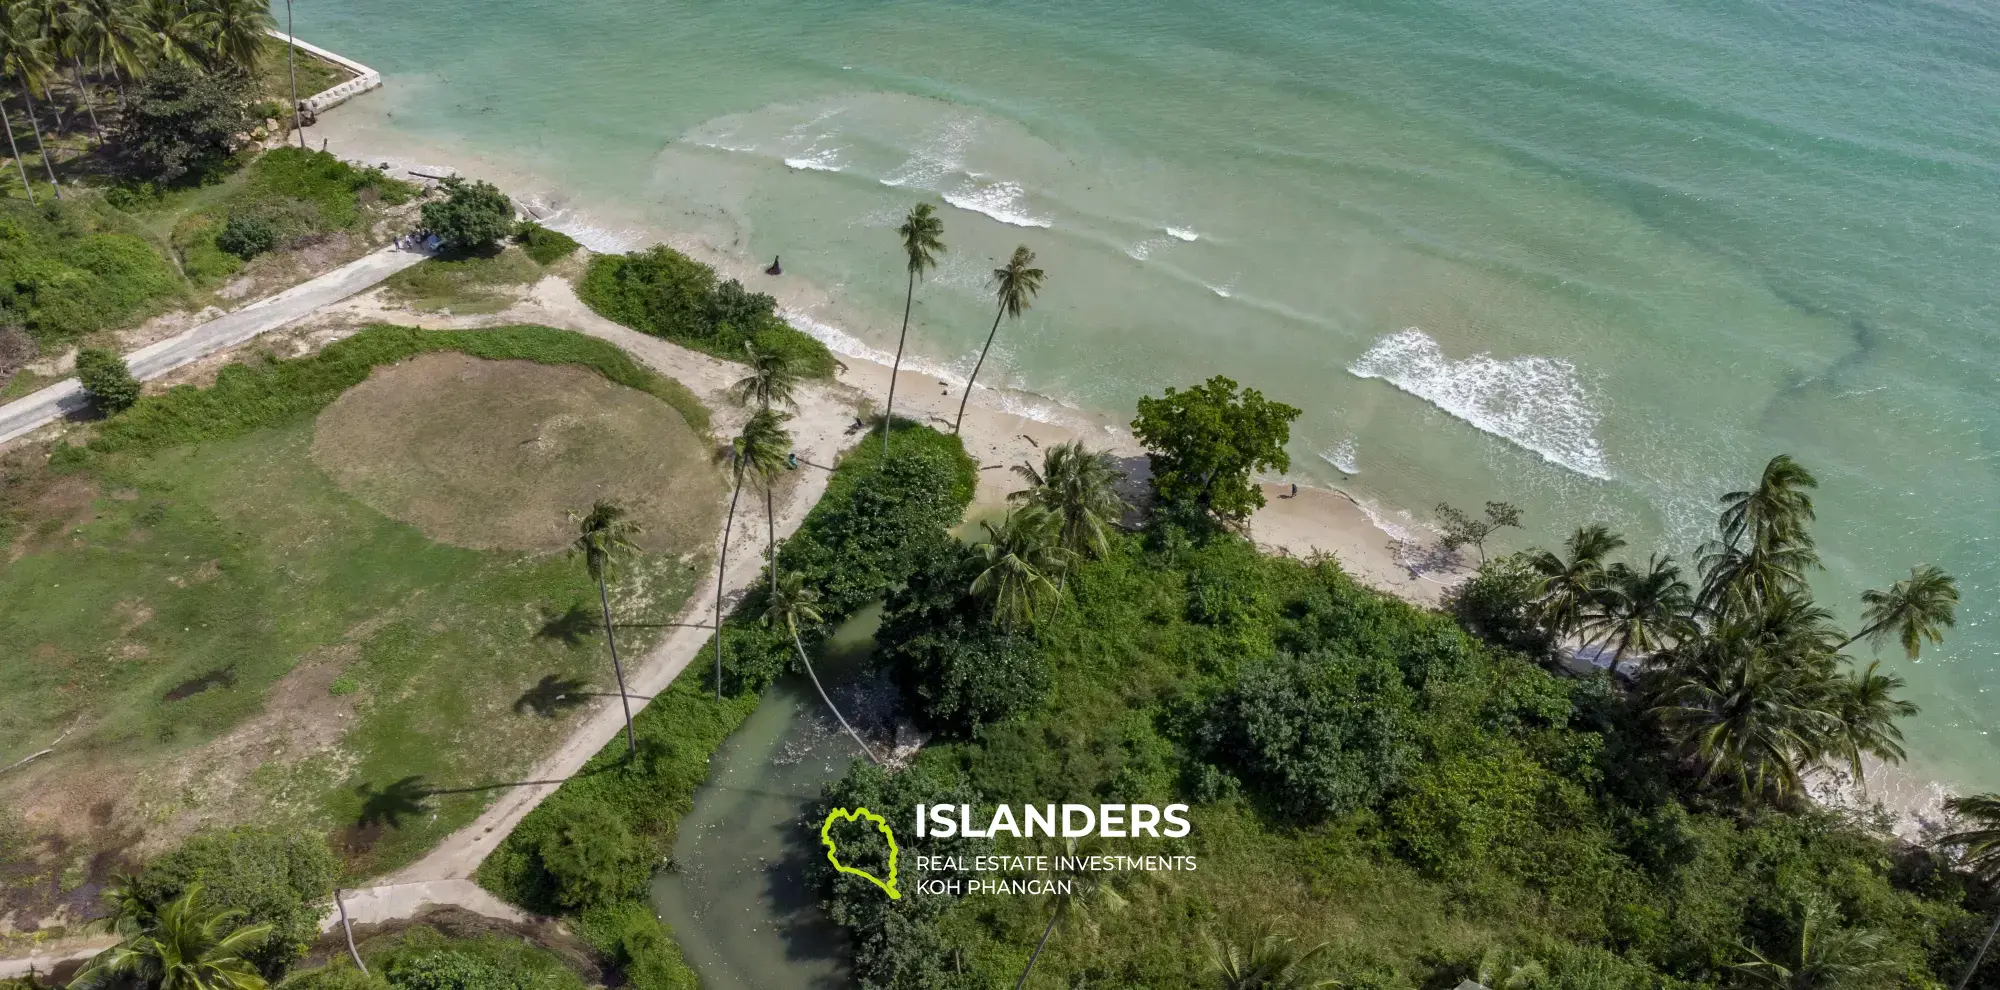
x,y
775,269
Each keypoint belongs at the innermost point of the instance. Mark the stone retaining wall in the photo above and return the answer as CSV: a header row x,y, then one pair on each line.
x,y
364,79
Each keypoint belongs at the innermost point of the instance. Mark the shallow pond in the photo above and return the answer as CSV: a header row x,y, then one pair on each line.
x,y
739,901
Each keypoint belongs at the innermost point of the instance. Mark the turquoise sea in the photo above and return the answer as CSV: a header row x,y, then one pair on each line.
x,y
1601,258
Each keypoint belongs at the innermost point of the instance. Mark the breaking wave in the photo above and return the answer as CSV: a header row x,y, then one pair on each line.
x,y
1538,403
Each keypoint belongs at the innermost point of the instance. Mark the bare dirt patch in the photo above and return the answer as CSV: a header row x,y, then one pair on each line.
x,y
49,509
493,454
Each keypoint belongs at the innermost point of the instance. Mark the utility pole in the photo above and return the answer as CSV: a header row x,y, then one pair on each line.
x,y
292,63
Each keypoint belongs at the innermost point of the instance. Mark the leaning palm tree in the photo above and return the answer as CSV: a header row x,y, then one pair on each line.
x,y
181,948
1019,555
14,149
1913,610
1080,487
1738,580
1076,892
1014,287
603,535
1267,960
759,448
1865,709
1825,957
24,61
791,603
1641,611
923,240
232,31
1569,586
773,380
71,29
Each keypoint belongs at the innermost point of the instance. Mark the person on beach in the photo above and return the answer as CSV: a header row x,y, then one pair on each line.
x,y
1295,490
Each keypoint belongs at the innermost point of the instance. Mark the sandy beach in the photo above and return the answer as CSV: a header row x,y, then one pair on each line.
x,y
1002,427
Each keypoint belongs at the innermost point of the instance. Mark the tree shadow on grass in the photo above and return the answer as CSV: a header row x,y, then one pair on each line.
x,y
389,805
553,695
571,627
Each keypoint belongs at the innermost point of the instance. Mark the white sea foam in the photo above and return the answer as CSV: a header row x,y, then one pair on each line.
x,y
1003,201
1342,457
943,155
817,160
1027,405
586,233
1221,290
1144,249
1182,233
1539,403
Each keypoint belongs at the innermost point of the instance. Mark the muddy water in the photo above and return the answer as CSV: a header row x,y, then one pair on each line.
x,y
738,900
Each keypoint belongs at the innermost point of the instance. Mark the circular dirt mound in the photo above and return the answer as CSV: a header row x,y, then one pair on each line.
x,y
493,454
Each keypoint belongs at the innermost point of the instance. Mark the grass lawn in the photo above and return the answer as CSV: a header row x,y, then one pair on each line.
x,y
234,637
316,75
474,284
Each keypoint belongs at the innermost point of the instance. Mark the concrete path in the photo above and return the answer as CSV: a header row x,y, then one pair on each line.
x,y
229,330
43,961
401,900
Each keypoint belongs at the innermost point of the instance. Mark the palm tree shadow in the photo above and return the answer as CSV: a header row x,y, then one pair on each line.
x,y
553,695
571,627
389,805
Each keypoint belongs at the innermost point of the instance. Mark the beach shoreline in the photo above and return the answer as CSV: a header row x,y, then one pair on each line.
x,y
1004,426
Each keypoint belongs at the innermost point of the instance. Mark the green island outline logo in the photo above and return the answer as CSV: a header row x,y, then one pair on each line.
x,y
833,855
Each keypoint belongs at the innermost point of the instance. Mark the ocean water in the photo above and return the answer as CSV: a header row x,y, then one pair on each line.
x,y
1600,258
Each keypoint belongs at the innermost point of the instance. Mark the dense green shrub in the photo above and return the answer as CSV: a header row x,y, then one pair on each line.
x,y
544,245
106,378
667,294
593,859
473,216
72,268
247,235
1326,733
284,879
180,121
1495,603
335,191
336,975
638,943
956,669
421,959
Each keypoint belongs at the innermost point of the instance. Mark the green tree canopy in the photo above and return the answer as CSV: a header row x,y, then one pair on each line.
x,y
180,122
473,216
105,377
1203,444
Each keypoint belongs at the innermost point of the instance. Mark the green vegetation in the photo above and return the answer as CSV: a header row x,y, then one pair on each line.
x,y
201,573
1381,798
464,284
284,200
106,380
544,245
183,123
423,958
473,216
73,268
860,541
181,945
667,294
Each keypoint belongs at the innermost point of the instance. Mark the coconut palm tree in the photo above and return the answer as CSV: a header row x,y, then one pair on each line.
x,y
103,30
762,443
71,31
163,32
48,18
1075,891
1865,710
767,465
1742,711
232,31
792,603
1978,837
1825,957
922,233
603,535
1266,961
1569,586
14,149
1019,555
773,380
1014,287
1913,610
1080,487
1774,513
1641,611
183,947
1739,580
24,61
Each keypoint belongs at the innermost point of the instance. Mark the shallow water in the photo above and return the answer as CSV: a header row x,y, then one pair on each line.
x,y
738,899
1600,258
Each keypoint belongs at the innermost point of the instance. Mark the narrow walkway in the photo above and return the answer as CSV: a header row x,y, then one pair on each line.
x,y
226,331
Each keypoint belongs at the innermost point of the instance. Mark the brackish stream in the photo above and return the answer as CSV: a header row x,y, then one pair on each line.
x,y
739,901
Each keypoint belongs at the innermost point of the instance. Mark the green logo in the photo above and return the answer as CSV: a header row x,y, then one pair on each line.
x,y
833,856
